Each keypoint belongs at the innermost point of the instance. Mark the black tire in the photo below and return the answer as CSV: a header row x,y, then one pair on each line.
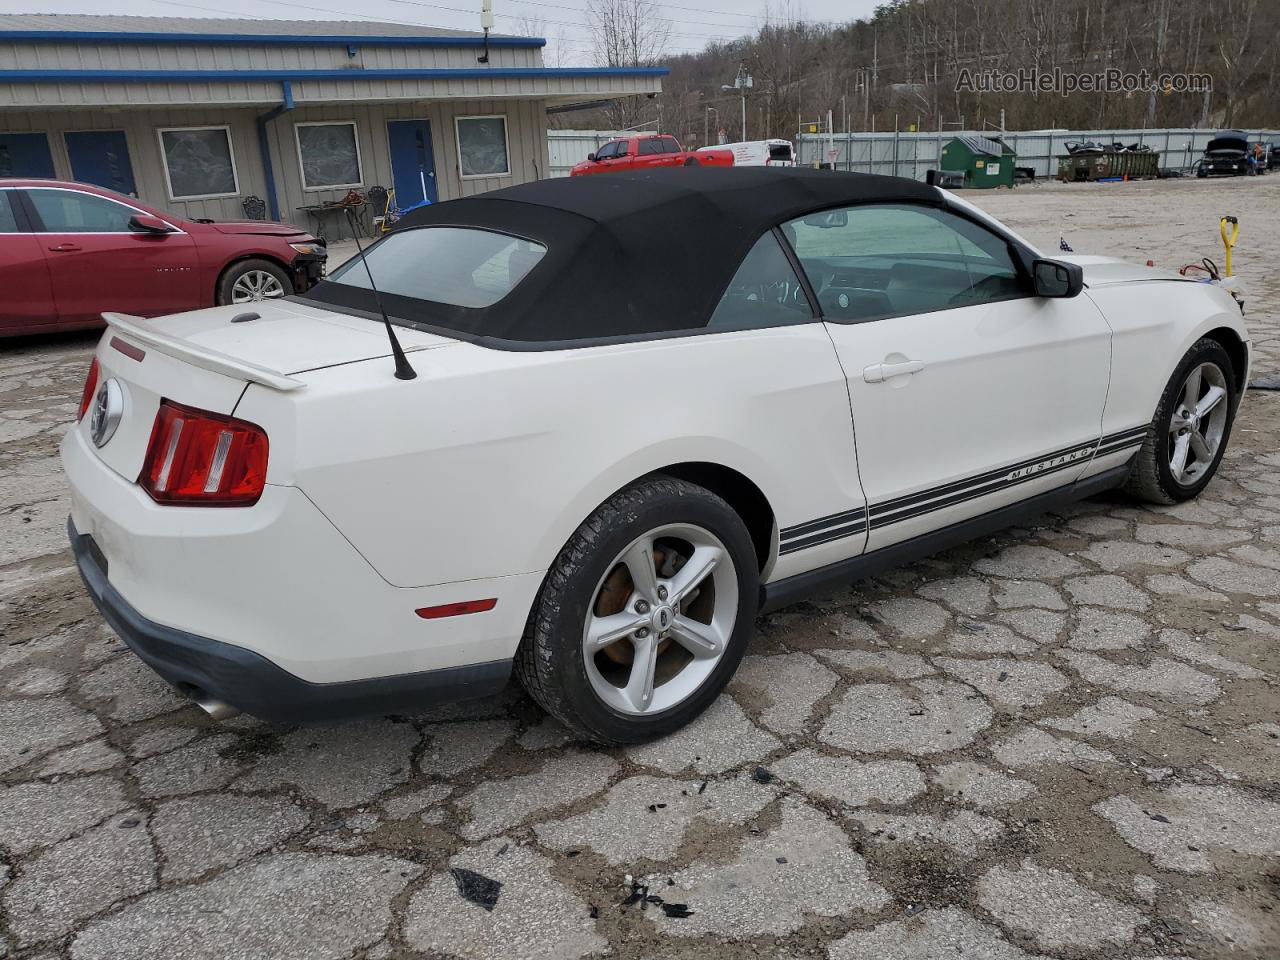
x,y
1150,477
550,663
237,270
691,162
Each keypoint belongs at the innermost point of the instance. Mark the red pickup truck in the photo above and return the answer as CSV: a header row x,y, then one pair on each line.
x,y
648,150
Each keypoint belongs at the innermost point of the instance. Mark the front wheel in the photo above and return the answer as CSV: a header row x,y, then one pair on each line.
x,y
252,281
645,614
1189,433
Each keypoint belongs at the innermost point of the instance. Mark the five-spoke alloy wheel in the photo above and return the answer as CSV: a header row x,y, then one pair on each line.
x,y
1199,423
661,620
1190,429
645,614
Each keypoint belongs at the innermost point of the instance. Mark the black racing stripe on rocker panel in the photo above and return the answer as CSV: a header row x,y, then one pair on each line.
x,y
956,486
964,496
1118,447
822,523
1126,434
819,539
837,526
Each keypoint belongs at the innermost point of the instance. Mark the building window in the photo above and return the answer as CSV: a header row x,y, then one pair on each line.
x,y
482,147
199,162
329,154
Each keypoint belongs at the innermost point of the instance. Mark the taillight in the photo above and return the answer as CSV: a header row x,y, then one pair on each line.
x,y
201,459
90,385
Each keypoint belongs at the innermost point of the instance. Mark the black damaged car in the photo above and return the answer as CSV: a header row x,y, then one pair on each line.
x,y
1227,155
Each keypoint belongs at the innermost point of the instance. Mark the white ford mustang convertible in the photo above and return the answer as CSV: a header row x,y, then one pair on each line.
x,y
586,430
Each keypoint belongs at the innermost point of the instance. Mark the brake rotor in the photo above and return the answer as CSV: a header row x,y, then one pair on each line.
x,y
613,597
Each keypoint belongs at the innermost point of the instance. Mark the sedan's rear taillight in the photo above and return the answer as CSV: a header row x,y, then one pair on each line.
x,y
202,459
90,385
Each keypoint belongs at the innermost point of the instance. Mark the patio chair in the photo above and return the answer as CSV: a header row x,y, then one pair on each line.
x,y
254,208
379,199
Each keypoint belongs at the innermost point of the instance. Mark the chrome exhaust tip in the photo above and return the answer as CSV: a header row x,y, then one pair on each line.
x,y
217,709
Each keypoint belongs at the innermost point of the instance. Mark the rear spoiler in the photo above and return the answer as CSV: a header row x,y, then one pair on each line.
x,y
136,328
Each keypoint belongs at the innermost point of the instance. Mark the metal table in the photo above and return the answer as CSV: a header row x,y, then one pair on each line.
x,y
320,213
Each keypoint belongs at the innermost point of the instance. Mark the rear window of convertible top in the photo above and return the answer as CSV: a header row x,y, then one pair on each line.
x,y
459,266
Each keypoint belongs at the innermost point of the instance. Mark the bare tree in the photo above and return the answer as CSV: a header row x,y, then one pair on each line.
x,y
908,56
627,33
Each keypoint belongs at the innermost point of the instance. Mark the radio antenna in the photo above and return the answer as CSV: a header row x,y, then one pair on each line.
x,y
403,369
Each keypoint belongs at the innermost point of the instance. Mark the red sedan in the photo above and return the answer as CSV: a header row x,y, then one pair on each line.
x,y
69,251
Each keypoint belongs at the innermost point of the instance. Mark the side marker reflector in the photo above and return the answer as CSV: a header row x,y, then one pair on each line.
x,y
456,609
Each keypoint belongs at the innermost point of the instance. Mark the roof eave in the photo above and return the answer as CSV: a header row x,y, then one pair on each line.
x,y
264,39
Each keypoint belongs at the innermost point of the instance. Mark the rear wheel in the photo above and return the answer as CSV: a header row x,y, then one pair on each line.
x,y
251,281
645,614
1189,433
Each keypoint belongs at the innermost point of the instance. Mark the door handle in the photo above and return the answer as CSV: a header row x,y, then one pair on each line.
x,y
66,248
879,372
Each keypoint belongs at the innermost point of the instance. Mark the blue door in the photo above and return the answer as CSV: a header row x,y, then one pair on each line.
x,y
25,155
413,169
101,157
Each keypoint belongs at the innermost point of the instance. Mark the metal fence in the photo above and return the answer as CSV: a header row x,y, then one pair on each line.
x,y
911,154
568,147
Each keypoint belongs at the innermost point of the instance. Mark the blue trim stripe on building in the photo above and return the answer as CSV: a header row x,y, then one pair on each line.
x,y
433,73
260,39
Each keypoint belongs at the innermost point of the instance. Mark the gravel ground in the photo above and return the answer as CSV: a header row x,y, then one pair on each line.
x,y
1061,741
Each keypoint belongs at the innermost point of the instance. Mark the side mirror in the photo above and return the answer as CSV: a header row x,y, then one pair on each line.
x,y
142,223
1053,278
591,157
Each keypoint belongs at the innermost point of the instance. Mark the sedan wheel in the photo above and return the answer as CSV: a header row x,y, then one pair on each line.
x,y
644,615
1198,424
661,619
254,286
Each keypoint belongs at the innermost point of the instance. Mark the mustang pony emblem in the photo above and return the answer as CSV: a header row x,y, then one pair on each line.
x,y
108,408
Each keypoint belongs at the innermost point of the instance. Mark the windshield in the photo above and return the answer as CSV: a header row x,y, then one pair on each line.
x,y
459,266
1218,144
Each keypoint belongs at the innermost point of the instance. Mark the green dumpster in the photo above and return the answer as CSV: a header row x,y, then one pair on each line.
x,y
984,161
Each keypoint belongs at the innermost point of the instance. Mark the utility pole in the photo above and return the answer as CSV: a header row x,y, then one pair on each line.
x,y
866,101
831,142
742,83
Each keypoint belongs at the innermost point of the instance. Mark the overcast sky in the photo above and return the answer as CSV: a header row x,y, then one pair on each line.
x,y
562,22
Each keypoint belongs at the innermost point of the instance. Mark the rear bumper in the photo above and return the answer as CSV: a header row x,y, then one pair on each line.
x,y
252,683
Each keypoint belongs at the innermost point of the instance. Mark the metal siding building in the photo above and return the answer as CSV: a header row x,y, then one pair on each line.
x,y
163,107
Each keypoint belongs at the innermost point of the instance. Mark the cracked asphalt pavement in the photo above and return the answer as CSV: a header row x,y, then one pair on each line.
x,y
1061,741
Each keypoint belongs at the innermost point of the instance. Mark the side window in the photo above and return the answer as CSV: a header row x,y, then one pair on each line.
x,y
649,147
611,150
64,211
8,220
669,145
763,293
886,260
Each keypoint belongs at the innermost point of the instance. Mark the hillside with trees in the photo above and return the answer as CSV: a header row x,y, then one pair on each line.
x,y
902,65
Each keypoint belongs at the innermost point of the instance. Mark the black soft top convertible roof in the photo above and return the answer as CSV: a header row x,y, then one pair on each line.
x,y
628,254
